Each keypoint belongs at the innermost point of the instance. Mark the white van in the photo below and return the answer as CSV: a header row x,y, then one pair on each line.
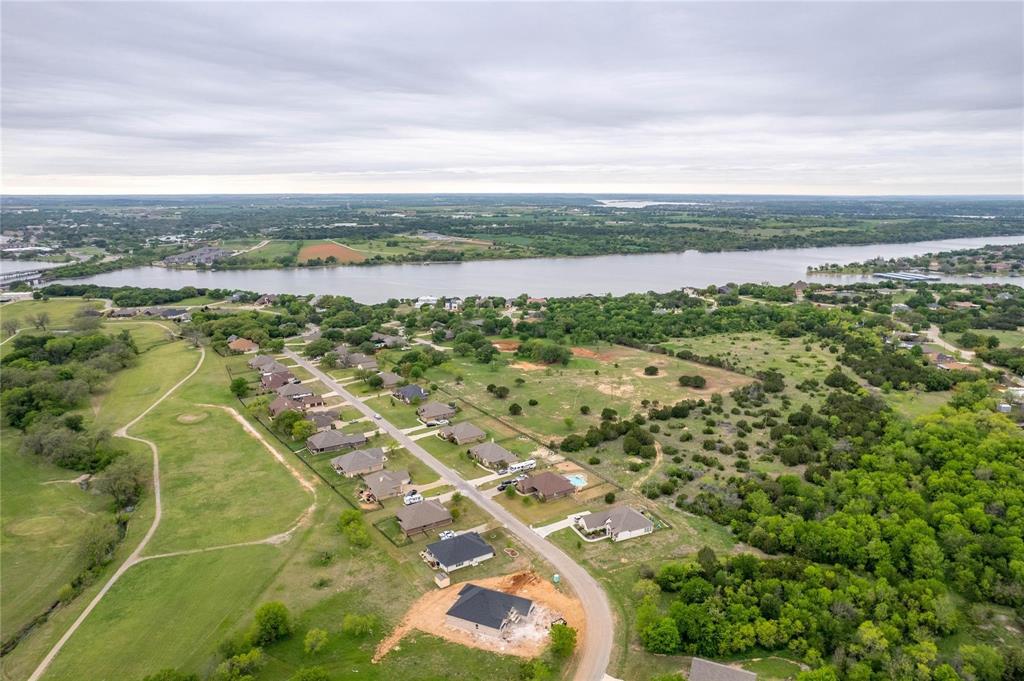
x,y
414,498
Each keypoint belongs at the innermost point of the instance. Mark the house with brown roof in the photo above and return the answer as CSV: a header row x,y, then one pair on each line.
x,y
432,412
390,379
359,462
259,361
281,405
273,367
546,485
461,433
243,345
493,455
360,361
387,484
423,517
310,401
333,440
294,390
323,420
271,382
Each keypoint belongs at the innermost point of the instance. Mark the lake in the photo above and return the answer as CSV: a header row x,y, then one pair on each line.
x,y
615,274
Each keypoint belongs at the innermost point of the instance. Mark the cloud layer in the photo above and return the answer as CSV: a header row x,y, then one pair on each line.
x,y
865,98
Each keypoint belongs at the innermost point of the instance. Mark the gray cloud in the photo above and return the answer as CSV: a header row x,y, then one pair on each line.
x,y
735,97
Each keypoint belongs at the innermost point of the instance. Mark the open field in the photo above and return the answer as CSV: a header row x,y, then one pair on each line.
x,y
597,377
60,310
330,249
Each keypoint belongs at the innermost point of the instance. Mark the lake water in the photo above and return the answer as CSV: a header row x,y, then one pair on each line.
x,y
615,274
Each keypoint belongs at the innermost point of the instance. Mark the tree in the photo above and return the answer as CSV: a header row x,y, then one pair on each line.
x,y
310,674
661,637
41,320
124,479
170,675
240,667
375,381
303,429
650,370
563,640
239,387
9,326
515,409
315,640
272,623
357,625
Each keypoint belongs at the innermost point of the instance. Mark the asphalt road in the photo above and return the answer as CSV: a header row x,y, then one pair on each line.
x,y
595,648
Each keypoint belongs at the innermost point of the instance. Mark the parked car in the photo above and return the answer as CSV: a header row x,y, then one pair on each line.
x,y
438,422
504,485
411,499
377,416
446,534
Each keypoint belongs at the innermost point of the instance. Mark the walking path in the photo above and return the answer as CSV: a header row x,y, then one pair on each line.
x,y
595,648
135,556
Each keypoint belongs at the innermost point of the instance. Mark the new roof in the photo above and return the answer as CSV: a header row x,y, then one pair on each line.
x,y
411,392
460,549
487,607
618,519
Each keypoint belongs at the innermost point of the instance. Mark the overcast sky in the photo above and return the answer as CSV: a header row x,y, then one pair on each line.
x,y
830,98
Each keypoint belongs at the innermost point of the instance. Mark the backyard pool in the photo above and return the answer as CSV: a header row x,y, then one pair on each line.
x,y
578,480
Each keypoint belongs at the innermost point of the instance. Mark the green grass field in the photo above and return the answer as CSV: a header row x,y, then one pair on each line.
x,y
60,310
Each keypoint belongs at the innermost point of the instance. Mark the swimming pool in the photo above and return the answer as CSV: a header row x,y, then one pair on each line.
x,y
577,479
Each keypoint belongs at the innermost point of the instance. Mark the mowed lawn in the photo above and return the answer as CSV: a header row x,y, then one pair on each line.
x,y
167,612
42,521
220,485
598,377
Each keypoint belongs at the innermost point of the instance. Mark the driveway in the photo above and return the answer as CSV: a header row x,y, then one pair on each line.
x,y
558,525
595,648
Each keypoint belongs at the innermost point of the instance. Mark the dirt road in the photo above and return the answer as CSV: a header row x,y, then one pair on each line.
x,y
595,649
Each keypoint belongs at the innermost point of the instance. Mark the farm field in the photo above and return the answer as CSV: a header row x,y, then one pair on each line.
x,y
1007,339
324,250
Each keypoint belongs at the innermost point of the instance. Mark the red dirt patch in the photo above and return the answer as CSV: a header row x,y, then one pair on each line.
x,y
506,345
343,254
607,356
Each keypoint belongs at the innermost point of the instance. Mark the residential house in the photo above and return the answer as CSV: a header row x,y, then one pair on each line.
x,y
705,670
619,523
278,379
294,390
200,256
323,420
282,404
333,440
383,340
462,433
273,368
359,462
176,314
900,307
390,379
268,299
243,345
493,455
546,485
310,401
425,300
955,366
387,484
260,361
423,517
360,361
963,305
125,312
431,412
460,551
486,611
453,304
410,393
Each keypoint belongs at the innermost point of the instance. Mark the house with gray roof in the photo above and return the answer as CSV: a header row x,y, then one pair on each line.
x,y
431,412
383,340
486,611
493,455
460,551
461,433
323,420
387,484
410,393
618,523
359,462
706,670
360,361
423,517
271,382
260,361
390,379
333,440
294,390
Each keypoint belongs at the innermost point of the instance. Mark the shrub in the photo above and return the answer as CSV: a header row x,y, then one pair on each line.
x,y
594,461
357,625
563,640
514,409
272,624
650,370
315,640
609,498
694,381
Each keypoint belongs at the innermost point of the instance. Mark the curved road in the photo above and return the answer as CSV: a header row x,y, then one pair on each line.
x,y
596,647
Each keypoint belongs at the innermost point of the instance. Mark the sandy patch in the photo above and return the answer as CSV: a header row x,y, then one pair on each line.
x,y
324,251
506,345
192,418
528,366
527,639
616,389
606,356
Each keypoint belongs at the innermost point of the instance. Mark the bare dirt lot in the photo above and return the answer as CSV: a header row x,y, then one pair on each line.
x,y
323,251
506,345
525,639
